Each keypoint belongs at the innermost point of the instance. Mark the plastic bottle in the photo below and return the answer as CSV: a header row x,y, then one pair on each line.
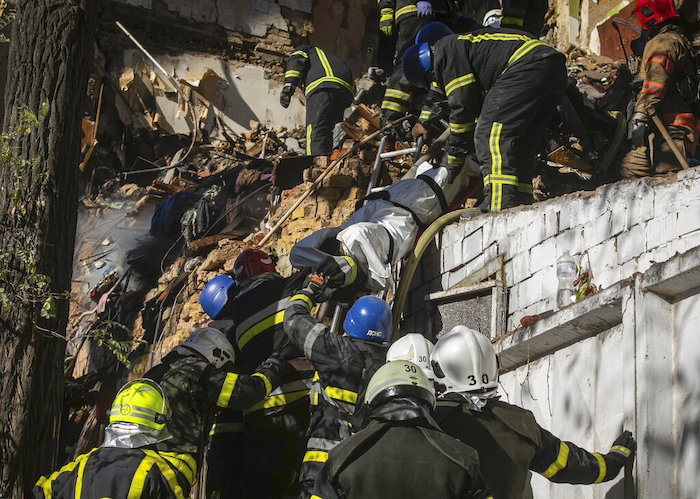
x,y
566,273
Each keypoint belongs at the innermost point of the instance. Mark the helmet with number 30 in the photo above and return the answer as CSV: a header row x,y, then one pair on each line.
x,y
415,348
464,361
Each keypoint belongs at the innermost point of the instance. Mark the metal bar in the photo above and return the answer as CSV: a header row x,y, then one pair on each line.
x,y
679,156
338,316
377,164
419,147
402,152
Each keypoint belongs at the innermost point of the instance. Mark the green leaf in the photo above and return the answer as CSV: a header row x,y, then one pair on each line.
x,y
43,111
48,309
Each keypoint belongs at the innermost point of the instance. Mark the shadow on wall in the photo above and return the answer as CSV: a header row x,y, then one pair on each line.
x,y
237,109
342,28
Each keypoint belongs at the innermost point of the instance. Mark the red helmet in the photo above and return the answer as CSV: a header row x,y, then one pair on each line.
x,y
652,12
250,263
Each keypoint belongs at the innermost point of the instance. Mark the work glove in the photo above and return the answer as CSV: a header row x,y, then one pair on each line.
x,y
621,451
419,130
638,129
316,288
424,9
386,22
274,367
339,271
285,97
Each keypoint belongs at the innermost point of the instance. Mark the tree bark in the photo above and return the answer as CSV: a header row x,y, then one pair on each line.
x,y
50,46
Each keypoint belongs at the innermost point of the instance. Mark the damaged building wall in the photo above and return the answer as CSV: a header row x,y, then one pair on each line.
x,y
625,359
231,53
238,94
615,231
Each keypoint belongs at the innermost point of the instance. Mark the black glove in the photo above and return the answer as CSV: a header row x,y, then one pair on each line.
x,y
284,99
335,276
316,288
621,451
270,368
638,129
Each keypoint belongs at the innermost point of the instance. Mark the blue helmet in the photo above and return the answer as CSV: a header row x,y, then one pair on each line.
x,y
214,296
416,63
432,32
369,319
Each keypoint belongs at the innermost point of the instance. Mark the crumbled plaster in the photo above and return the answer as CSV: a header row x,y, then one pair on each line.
x,y
238,93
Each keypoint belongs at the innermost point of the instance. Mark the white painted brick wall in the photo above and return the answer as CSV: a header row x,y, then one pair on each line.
x,y
630,244
618,230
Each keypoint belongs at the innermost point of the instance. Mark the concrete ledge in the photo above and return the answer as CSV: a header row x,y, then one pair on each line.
x,y
562,328
676,278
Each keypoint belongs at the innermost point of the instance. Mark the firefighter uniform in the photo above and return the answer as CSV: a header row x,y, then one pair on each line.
x,y
401,454
526,15
510,442
511,82
265,443
399,94
329,88
667,56
121,472
341,363
196,388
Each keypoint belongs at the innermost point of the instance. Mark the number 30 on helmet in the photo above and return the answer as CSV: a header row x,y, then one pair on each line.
x,y
464,361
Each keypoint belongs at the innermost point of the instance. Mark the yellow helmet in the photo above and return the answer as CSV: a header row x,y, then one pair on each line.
x,y
141,401
399,378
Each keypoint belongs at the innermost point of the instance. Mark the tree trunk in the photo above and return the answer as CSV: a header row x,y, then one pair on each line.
x,y
50,47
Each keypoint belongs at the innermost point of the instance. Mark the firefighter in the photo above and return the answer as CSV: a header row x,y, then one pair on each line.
x,y
197,380
329,88
402,452
128,463
407,17
508,439
341,363
508,80
525,15
269,446
668,61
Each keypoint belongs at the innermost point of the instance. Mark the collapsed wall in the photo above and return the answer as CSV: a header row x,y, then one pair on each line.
x,y
230,55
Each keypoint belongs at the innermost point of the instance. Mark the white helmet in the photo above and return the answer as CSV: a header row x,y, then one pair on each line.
x,y
415,348
464,361
492,18
399,378
212,344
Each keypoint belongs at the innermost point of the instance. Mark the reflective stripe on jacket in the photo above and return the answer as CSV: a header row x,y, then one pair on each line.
x,y
311,69
667,56
467,66
116,472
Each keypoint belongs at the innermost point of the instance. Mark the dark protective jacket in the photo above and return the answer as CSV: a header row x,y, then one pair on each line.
x,y
404,9
510,442
195,388
255,327
527,15
341,363
401,453
125,473
668,55
265,443
311,68
467,66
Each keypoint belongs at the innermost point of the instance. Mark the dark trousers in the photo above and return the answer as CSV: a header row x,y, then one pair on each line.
x,y
511,127
399,94
324,108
